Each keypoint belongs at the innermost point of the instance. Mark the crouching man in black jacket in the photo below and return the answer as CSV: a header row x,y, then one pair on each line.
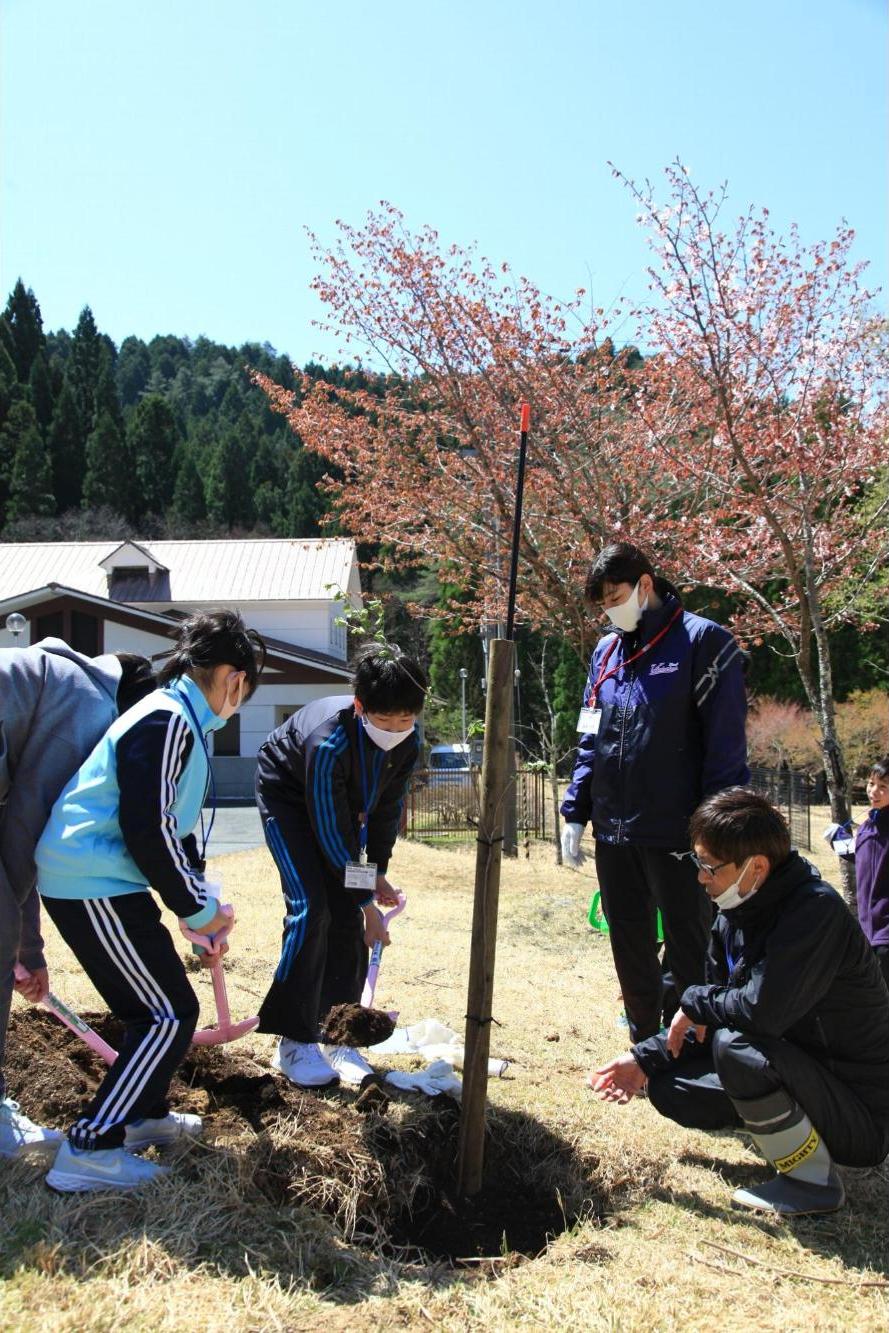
x,y
790,1037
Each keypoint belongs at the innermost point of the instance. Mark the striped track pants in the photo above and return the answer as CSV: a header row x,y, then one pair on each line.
x,y
323,955
131,960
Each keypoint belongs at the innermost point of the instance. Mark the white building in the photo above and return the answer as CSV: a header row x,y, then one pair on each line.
x,y
127,597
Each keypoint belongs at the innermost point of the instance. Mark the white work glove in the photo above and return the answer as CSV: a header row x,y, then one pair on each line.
x,y
571,853
842,840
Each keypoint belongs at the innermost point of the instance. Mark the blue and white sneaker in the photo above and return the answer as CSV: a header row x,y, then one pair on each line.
x,y
20,1137
163,1131
76,1171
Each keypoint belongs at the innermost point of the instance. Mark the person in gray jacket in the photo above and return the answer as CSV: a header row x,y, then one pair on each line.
x,y
55,704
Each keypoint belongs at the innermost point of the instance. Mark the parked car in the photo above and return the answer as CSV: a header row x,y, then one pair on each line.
x,y
448,763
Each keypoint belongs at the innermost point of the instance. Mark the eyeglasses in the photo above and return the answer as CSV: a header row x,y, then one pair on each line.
x,y
709,871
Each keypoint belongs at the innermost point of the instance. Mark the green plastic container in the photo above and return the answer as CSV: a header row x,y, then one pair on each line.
x,y
598,922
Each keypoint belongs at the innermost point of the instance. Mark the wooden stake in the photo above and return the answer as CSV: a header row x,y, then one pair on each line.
x,y
495,777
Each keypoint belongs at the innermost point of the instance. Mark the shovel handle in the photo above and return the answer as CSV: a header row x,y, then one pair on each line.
x,y
72,1021
376,954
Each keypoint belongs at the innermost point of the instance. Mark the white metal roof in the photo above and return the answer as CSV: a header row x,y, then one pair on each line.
x,y
250,570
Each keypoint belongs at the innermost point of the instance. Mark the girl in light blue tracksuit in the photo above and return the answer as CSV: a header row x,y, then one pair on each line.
x,y
123,823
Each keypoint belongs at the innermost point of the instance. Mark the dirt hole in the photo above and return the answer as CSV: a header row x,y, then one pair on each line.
x,y
384,1177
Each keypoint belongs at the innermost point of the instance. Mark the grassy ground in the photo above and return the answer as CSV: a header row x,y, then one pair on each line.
x,y
671,1253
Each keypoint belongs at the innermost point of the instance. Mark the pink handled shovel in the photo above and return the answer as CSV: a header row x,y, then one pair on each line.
x,y
373,970
225,1030
72,1020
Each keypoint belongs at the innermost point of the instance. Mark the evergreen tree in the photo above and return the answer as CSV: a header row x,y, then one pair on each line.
x,y
152,439
107,402
86,364
229,501
109,471
305,502
23,319
189,504
132,371
67,450
41,393
7,381
30,477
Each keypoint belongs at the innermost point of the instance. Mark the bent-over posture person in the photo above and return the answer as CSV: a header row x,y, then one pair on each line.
x,y
789,1037
55,704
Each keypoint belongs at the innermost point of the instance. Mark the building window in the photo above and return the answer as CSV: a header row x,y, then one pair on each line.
x,y
51,626
84,634
227,740
285,711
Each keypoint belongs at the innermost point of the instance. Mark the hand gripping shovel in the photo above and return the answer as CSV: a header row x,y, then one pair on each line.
x,y
373,971
225,1030
72,1020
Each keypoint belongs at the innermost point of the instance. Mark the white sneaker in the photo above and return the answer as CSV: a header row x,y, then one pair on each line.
x,y
303,1063
77,1170
20,1137
351,1067
163,1131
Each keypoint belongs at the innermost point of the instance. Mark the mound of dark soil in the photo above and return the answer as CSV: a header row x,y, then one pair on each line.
x,y
352,1025
385,1177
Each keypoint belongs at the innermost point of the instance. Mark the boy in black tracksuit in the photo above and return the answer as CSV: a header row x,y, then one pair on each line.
x,y
329,787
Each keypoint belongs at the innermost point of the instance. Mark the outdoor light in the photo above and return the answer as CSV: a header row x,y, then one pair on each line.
x,y
15,623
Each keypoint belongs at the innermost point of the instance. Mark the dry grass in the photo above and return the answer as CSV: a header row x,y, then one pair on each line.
x,y
206,1250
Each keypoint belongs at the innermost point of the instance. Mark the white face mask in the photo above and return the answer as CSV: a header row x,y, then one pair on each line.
x,y
626,615
732,896
229,709
386,740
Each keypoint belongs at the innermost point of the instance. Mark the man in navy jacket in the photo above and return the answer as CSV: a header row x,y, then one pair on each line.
x,y
663,726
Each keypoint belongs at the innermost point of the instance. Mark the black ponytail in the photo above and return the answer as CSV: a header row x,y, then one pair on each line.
x,y
209,639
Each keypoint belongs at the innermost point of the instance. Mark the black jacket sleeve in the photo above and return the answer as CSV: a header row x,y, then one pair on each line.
x,y
797,968
150,760
333,822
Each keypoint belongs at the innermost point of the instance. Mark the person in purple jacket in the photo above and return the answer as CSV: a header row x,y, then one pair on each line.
x,y
871,855
662,726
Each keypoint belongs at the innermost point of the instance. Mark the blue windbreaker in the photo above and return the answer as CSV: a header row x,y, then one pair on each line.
x,y
672,730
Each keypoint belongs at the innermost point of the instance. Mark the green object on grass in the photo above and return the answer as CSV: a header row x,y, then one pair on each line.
x,y
598,922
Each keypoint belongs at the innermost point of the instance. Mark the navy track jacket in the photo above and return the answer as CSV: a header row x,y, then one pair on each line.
x,y
312,764
672,729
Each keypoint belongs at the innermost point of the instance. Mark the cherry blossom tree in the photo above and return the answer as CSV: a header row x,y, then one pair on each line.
x,y
743,452
768,389
427,454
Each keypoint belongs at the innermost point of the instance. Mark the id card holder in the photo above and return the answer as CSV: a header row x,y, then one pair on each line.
x,y
588,721
361,875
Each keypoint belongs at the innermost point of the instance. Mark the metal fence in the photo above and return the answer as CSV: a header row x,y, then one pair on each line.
x,y
444,804
791,792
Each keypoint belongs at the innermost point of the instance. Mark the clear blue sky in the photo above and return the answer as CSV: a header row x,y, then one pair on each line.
x,y
161,158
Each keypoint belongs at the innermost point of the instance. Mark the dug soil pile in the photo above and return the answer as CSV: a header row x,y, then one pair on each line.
x,y
353,1025
384,1176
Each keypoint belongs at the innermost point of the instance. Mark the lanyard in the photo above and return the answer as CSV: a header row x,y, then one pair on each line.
x,y
593,697
205,833
729,956
363,829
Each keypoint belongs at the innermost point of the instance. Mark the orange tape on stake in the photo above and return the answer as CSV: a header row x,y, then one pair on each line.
x,y
526,416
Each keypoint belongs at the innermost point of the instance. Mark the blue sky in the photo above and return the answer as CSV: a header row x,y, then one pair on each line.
x,y
161,158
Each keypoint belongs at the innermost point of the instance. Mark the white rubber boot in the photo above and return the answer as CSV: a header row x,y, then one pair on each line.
x,y
807,1180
